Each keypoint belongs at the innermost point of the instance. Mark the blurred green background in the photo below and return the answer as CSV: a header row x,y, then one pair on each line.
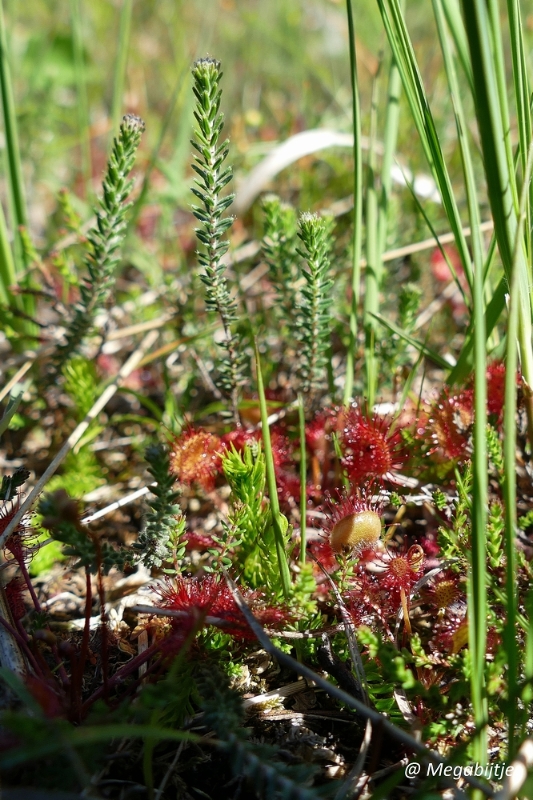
x,y
77,66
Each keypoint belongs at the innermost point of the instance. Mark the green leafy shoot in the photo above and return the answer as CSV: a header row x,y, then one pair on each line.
x,y
314,317
212,178
279,249
160,541
105,239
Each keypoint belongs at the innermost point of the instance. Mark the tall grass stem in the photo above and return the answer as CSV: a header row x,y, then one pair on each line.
x,y
477,583
303,480
279,523
357,209
509,471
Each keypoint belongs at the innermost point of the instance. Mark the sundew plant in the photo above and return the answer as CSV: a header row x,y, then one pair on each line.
x,y
266,505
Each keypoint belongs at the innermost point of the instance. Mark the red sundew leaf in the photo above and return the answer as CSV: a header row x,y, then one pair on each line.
x,y
16,543
15,601
239,439
325,556
198,541
354,521
211,596
318,432
444,590
195,458
370,448
447,423
402,570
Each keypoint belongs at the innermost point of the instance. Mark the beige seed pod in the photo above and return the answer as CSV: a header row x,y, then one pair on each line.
x,y
357,531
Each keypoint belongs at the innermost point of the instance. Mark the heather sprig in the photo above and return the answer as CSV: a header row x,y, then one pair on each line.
x,y
105,238
279,249
213,176
160,540
314,319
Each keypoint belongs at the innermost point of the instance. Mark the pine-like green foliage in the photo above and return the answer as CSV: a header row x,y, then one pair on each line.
x,y
314,319
223,713
455,541
160,541
212,178
408,303
495,533
105,238
249,532
495,450
279,250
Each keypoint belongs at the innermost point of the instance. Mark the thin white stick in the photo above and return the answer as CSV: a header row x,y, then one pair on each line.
x,y
129,498
172,764
517,772
15,379
139,327
78,432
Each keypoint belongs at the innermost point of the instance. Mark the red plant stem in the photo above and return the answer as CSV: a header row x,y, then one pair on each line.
x,y
74,694
24,570
155,667
77,684
122,673
38,659
103,625
65,680
29,585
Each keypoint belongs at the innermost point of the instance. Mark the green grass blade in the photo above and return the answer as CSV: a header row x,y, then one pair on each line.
x,y
483,38
8,276
420,346
522,98
494,311
404,55
303,481
456,27
279,522
12,406
87,735
391,125
373,268
17,200
357,209
16,184
477,578
498,62
509,460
